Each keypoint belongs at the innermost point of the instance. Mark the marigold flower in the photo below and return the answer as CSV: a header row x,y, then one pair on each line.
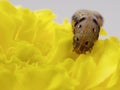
x,y
36,54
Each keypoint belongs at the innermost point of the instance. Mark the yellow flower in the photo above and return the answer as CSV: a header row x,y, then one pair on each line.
x,y
36,54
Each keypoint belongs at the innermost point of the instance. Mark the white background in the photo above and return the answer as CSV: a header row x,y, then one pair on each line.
x,y
110,9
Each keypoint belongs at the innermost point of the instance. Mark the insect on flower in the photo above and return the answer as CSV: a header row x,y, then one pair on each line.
x,y
86,27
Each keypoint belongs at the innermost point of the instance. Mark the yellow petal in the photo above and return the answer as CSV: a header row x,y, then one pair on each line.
x,y
103,32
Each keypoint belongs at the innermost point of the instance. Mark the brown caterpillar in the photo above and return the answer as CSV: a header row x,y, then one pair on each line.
x,y
86,27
